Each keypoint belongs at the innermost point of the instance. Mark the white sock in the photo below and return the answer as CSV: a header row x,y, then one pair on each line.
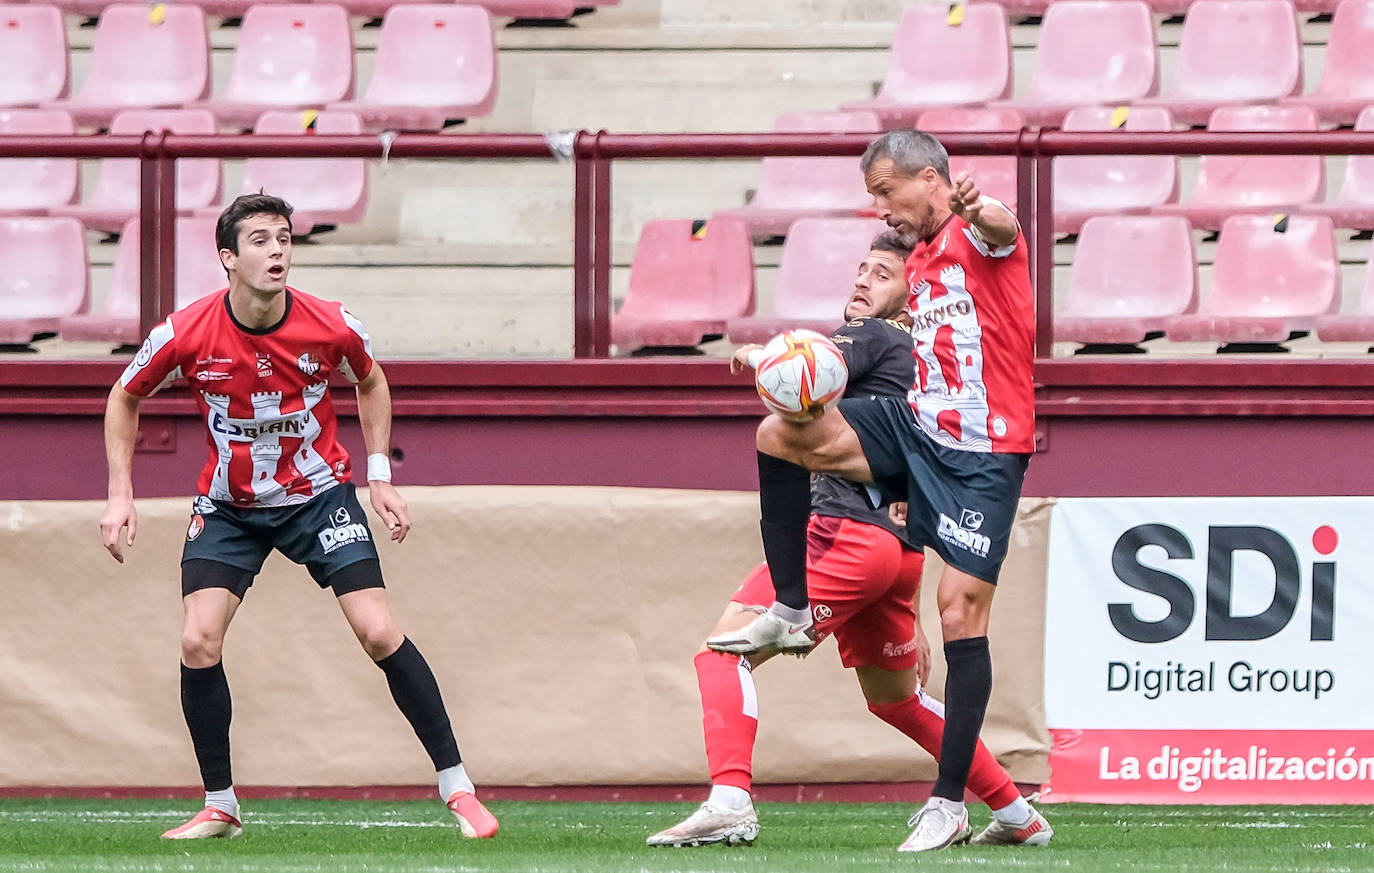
x,y
224,801
728,797
951,806
788,613
1013,813
453,780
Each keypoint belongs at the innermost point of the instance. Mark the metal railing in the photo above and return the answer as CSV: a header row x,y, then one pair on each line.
x,y
593,155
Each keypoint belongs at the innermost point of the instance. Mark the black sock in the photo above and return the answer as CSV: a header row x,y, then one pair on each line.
x,y
208,709
784,508
968,687
416,693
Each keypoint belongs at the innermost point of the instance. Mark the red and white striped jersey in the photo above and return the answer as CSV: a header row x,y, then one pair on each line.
x,y
263,394
974,340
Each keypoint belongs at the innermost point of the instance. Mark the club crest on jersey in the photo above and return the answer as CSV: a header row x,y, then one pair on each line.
x,y
264,364
309,363
197,525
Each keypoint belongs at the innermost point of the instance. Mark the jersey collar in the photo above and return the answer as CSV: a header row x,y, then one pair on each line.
x,y
260,331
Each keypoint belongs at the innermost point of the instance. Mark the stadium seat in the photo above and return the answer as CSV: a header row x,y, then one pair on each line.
x,y
995,177
930,64
42,276
433,64
792,188
815,277
323,191
1270,282
685,286
143,57
290,56
115,198
1017,8
35,185
1129,274
1233,184
1357,326
1353,205
33,42
1347,83
198,272
1090,52
1091,185
1233,52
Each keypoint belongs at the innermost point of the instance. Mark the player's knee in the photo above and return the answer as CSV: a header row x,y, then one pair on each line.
x,y
962,617
380,640
200,649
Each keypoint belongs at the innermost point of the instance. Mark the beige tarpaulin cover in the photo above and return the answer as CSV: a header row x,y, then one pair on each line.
x,y
561,623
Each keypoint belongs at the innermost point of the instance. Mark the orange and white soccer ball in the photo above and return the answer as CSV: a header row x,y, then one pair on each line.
x,y
799,373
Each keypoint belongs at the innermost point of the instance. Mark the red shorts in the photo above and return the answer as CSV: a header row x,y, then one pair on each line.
x,y
861,582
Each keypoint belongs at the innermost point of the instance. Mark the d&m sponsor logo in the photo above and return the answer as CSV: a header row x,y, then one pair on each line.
x,y
965,535
1221,621
344,531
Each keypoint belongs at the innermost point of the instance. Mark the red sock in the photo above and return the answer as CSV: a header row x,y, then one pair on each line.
x,y
923,719
729,717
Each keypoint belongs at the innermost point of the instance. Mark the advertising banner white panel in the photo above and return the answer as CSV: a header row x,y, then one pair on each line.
x,y
1200,633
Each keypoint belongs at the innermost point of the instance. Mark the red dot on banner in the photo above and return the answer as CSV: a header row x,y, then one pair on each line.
x,y
1324,539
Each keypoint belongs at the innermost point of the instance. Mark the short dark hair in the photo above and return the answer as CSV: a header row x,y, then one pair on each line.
x,y
911,152
245,205
891,241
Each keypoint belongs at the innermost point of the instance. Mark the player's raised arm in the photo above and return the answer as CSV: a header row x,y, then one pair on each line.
x,y
121,431
374,414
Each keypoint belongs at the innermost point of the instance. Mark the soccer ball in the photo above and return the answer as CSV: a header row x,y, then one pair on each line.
x,y
799,373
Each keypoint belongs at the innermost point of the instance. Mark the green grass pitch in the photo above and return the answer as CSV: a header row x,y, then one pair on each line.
x,y
296,836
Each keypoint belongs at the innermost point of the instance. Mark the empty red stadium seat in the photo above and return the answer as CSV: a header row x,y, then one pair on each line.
x,y
931,61
322,190
1353,205
1090,52
115,198
815,278
1129,274
1104,184
1231,52
1232,184
1266,284
198,272
290,56
433,64
1347,83
1357,326
995,177
42,276
34,185
33,42
792,188
684,287
141,57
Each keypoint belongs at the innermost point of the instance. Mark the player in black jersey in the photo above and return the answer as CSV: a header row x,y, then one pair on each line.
x,y
862,579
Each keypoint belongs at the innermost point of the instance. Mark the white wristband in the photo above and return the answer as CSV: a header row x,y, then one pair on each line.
x,y
378,467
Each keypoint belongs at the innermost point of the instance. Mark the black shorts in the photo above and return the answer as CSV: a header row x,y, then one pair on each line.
x,y
961,504
327,534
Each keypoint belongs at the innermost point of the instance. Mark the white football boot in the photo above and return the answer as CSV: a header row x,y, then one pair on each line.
x,y
767,631
1034,831
711,824
936,826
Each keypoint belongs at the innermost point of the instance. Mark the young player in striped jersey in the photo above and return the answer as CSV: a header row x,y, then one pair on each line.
x,y
257,358
862,579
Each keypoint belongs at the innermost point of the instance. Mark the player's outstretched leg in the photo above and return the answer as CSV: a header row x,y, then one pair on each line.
x,y
413,687
729,723
784,508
